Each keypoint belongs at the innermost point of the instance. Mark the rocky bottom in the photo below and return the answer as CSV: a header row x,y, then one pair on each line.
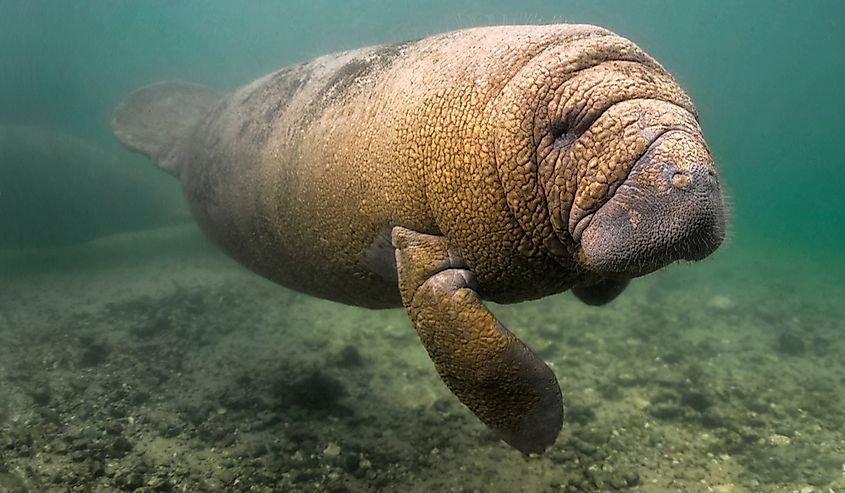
x,y
153,363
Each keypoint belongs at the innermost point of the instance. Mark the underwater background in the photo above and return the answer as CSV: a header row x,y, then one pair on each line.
x,y
135,356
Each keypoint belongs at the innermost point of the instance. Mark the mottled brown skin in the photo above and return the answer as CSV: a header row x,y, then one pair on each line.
x,y
503,163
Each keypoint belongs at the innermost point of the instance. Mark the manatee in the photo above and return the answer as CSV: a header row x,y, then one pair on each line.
x,y
500,163
57,190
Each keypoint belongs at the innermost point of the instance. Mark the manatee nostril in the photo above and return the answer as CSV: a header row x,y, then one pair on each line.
x,y
712,177
681,180
705,177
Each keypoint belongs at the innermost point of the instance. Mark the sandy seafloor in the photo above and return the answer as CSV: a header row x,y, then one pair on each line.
x,y
151,362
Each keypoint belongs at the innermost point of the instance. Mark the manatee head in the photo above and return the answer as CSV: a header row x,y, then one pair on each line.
x,y
604,149
669,207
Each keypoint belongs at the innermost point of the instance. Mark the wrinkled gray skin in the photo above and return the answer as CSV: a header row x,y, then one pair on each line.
x,y
503,163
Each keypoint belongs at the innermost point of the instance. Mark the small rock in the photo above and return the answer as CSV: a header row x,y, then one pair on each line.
x,y
562,455
779,440
617,481
331,451
120,447
133,481
585,447
160,484
599,479
632,478
78,456
225,476
113,428
96,468
666,411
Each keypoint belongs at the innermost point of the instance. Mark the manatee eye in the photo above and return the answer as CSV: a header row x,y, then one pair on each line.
x,y
680,180
561,134
557,130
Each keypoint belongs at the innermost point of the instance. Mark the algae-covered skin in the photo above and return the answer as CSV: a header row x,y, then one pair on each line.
x,y
500,163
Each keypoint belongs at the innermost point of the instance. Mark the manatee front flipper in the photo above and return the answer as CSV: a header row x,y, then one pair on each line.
x,y
492,372
601,293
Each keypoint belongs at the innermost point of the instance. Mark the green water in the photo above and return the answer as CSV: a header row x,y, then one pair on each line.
x,y
767,79
764,76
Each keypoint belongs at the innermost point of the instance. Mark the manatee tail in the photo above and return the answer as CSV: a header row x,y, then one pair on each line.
x,y
157,119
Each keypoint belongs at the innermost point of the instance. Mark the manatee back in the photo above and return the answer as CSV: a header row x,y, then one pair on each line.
x,y
298,175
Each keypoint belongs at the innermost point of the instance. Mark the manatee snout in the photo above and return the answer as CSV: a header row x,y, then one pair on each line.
x,y
670,207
